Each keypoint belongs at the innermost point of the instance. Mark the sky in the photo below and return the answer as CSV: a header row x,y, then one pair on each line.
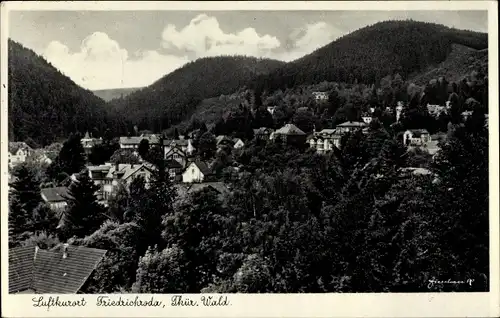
x,y
117,49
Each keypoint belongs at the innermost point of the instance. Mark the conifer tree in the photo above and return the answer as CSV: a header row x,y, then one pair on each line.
x,y
84,214
70,159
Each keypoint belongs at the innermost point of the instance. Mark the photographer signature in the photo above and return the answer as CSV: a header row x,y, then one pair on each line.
x,y
433,282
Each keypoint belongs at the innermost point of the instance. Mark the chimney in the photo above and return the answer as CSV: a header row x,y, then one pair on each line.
x,y
65,250
36,252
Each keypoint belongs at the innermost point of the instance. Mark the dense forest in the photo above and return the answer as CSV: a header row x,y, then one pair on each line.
x,y
368,54
44,104
208,87
174,97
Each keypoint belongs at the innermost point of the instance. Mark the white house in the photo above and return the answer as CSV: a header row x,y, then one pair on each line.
x,y
18,153
416,137
238,143
367,119
325,140
196,171
350,126
271,109
320,96
124,174
88,142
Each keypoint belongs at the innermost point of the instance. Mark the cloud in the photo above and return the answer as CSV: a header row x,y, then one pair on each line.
x,y
203,37
101,63
309,38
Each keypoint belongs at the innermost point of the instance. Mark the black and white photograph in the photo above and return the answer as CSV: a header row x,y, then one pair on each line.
x,y
248,152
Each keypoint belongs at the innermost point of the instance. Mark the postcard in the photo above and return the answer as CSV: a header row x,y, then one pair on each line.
x,y
250,159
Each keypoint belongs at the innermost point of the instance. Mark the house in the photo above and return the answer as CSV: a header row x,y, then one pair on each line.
x,y
197,171
350,126
325,140
18,153
238,143
61,270
289,134
262,133
124,174
416,137
98,175
320,96
174,169
56,198
134,142
178,150
367,118
88,142
271,109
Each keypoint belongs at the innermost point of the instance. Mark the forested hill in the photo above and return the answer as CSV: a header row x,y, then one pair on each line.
x,y
174,97
370,53
110,94
45,105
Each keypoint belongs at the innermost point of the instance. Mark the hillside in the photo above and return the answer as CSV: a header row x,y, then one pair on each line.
x,y
45,105
459,63
369,54
174,97
110,94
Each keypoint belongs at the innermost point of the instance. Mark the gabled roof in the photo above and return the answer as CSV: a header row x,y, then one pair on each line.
x,y
222,138
418,132
172,164
235,140
47,271
352,124
175,142
289,129
57,194
327,132
203,167
125,170
137,140
217,186
15,146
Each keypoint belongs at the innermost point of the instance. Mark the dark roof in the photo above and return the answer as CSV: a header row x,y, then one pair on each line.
x,y
203,167
418,132
175,142
56,194
46,271
172,164
21,268
220,187
15,146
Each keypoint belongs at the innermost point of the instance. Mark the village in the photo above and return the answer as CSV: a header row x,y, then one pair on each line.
x,y
190,174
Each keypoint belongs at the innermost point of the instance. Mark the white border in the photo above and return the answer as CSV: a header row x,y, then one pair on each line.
x,y
279,305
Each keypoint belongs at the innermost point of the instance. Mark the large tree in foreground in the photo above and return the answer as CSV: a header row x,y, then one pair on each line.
x,y
84,214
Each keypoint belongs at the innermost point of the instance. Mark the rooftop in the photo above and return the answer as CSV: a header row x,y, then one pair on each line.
x,y
289,129
35,270
56,194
